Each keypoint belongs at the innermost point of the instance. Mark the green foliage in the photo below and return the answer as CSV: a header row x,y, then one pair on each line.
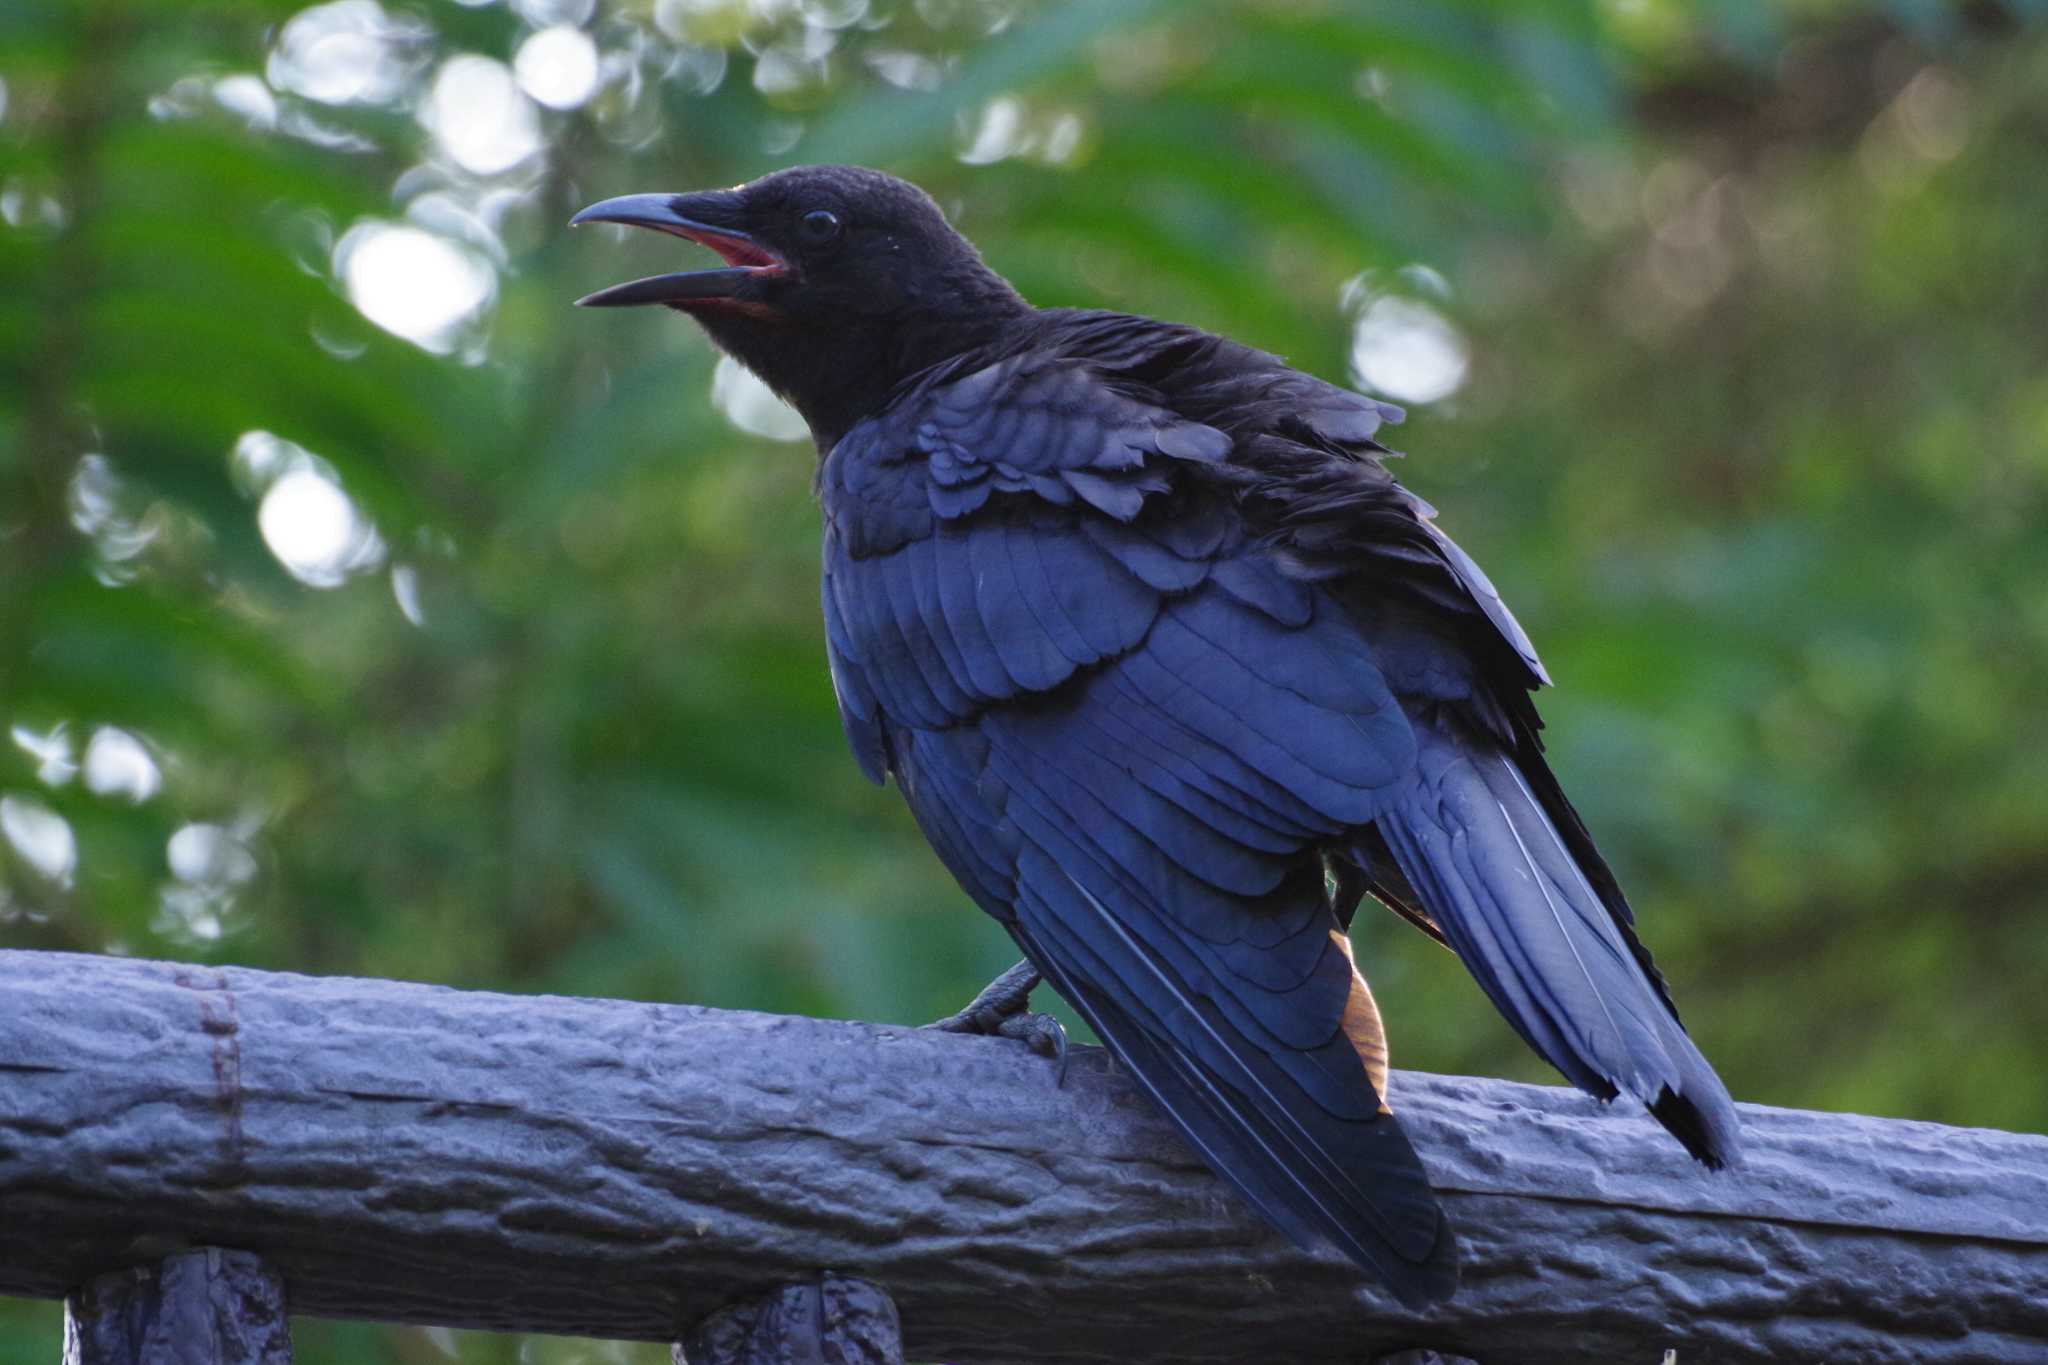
x,y
1753,435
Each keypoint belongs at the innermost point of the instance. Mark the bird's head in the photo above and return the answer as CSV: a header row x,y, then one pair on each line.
x,y
839,282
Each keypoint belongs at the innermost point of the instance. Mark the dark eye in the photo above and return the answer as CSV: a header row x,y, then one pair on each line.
x,y
820,225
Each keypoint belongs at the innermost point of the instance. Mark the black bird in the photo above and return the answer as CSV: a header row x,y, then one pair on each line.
x,y
1172,672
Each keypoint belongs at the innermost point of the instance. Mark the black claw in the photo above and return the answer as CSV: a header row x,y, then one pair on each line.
x,y
1003,1010
1043,1034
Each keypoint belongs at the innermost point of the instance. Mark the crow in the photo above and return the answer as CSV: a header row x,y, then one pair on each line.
x,y
1172,673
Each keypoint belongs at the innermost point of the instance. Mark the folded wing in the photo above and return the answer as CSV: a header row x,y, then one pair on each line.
x,y
1128,734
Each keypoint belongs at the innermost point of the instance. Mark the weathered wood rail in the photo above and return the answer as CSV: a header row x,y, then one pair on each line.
x,y
411,1153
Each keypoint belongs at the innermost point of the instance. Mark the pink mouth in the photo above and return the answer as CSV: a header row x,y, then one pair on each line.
x,y
735,250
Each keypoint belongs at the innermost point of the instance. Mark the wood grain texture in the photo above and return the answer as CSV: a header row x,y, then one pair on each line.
x,y
604,1168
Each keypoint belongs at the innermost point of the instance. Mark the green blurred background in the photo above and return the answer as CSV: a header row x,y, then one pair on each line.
x,y
365,609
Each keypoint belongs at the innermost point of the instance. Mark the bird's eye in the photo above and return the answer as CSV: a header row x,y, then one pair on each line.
x,y
820,225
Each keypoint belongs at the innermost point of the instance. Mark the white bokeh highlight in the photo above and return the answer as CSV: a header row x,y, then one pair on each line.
x,y
248,97
119,764
210,853
41,837
479,116
998,134
413,283
752,406
314,530
1401,347
306,519
542,13
347,52
209,864
52,753
557,66
405,590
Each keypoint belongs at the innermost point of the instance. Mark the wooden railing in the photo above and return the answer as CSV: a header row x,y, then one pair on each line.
x,y
189,1150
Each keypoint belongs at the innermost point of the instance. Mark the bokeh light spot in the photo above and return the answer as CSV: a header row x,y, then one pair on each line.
x,y
543,13
210,853
478,115
51,752
557,66
314,529
411,282
248,96
752,406
348,52
1407,351
41,837
119,764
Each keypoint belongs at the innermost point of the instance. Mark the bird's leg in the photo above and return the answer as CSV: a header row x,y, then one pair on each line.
x,y
1003,1011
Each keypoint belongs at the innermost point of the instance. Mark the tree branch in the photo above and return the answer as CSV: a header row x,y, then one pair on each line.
x,y
604,1168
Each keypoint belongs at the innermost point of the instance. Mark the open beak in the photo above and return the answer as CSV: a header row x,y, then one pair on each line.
x,y
708,218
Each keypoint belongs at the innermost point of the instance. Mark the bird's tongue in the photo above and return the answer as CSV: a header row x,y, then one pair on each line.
x,y
735,250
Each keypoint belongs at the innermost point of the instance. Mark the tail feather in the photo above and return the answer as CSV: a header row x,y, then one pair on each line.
x,y
1484,854
1320,1177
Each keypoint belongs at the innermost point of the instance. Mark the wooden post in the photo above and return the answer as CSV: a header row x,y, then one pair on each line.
x,y
832,1320
203,1307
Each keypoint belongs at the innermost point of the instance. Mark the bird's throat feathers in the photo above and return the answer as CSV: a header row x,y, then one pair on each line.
x,y
837,361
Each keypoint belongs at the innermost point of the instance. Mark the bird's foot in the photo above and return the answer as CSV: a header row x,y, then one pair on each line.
x,y
1003,1010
